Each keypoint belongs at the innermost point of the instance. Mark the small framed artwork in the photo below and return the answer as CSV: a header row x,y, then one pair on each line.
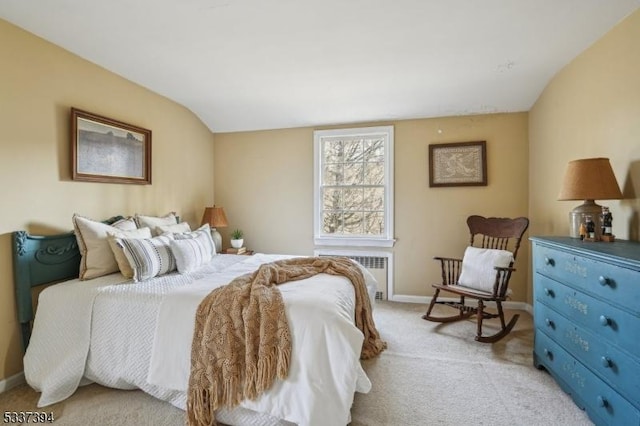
x,y
458,164
106,150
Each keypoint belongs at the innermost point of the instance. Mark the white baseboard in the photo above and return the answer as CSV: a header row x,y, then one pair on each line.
x,y
522,306
11,382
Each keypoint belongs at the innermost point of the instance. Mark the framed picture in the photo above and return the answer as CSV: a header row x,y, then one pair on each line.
x,y
106,150
458,164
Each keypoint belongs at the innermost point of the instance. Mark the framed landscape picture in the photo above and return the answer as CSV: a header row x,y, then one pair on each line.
x,y
106,150
458,164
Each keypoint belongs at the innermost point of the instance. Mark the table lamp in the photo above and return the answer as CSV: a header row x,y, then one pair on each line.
x,y
588,179
215,217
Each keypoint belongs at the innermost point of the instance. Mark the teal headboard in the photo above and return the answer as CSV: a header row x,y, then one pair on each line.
x,y
39,260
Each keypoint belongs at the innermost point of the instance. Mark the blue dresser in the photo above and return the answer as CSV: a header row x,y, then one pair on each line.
x,y
587,323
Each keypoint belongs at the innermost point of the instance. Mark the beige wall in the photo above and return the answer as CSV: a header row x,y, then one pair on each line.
x,y
264,180
39,82
589,109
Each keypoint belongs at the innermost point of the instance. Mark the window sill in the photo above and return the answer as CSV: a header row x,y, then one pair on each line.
x,y
354,242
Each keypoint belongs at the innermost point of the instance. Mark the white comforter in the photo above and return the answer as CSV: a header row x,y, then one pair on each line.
x,y
128,336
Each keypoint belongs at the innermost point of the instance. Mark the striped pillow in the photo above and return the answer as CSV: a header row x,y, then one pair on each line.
x,y
149,257
194,251
116,247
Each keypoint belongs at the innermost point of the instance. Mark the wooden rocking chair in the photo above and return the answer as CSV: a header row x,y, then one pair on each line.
x,y
496,237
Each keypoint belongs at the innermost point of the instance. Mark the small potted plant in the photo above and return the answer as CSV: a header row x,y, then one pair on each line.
x,y
236,238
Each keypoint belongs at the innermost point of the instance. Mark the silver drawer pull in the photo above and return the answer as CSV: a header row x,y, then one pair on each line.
x,y
549,323
548,261
606,362
548,354
604,281
602,401
604,320
548,292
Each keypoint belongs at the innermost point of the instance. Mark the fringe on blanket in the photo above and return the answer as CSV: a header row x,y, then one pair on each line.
x,y
242,342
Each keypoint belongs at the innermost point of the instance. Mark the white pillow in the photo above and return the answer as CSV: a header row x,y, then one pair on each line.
x,y
125,224
152,222
149,257
194,233
192,253
175,228
97,258
477,267
204,229
116,247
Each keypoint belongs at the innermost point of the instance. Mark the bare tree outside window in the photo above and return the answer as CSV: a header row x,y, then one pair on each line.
x,y
353,187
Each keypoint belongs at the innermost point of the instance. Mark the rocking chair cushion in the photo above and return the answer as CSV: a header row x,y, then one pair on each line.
x,y
478,267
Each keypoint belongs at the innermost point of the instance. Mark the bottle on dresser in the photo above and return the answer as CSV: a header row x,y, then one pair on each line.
x,y
607,221
591,227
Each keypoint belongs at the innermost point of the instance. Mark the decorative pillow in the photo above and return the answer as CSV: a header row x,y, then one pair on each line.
x,y
175,228
477,267
194,233
204,229
152,222
97,258
114,242
193,252
149,257
125,224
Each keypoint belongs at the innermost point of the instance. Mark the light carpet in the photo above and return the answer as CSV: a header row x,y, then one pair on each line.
x,y
431,374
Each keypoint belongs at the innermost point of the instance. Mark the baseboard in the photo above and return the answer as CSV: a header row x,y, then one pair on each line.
x,y
522,306
11,382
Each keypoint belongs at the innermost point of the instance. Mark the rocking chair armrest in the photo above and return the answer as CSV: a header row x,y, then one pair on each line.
x,y
505,269
451,268
452,259
503,274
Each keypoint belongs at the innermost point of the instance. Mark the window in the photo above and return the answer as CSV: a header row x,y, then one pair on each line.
x,y
353,187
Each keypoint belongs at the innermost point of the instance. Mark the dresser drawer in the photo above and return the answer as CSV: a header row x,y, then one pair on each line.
x,y
603,404
606,321
616,284
617,368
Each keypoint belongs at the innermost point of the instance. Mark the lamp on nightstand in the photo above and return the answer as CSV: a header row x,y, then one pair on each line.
x,y
588,179
215,217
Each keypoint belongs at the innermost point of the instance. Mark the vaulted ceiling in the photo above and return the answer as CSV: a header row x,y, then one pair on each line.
x,y
264,64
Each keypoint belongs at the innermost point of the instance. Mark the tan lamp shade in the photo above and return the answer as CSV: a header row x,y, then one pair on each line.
x,y
215,217
588,179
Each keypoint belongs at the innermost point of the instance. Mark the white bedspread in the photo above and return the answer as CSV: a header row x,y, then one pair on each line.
x,y
129,336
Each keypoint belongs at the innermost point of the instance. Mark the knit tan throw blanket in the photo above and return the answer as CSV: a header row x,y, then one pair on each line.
x,y
241,341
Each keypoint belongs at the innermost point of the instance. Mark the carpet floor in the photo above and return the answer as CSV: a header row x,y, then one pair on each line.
x,y
431,374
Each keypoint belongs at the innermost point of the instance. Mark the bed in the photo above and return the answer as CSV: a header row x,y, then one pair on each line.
x,y
128,335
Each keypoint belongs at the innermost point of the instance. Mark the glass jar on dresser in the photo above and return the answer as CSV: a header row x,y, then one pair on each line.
x,y
587,323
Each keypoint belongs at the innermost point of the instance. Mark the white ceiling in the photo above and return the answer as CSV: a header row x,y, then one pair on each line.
x,y
265,64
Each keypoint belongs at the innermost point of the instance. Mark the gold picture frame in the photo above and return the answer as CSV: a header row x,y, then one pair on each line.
x,y
107,150
458,164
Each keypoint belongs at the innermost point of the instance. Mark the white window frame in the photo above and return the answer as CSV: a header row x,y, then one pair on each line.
x,y
385,240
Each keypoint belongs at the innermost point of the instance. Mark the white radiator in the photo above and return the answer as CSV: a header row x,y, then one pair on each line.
x,y
378,263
